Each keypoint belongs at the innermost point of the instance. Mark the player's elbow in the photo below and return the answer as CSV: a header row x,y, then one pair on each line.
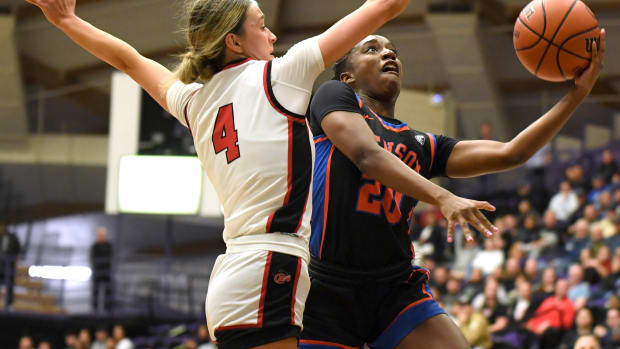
x,y
512,157
366,159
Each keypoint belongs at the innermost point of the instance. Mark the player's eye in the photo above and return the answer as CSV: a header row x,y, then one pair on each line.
x,y
371,49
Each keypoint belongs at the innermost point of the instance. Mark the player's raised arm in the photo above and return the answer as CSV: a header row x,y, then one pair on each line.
x,y
342,36
152,76
473,158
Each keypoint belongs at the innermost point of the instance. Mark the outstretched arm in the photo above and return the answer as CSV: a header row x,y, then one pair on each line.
x,y
152,76
336,41
351,135
473,158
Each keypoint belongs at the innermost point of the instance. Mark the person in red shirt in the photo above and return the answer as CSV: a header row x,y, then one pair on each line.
x,y
554,316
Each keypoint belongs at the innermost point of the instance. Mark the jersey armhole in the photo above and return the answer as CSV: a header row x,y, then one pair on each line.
x,y
272,97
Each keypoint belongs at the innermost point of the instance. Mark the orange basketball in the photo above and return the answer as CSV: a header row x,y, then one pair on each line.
x,y
553,38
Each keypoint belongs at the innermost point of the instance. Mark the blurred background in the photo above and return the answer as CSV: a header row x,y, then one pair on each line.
x,y
84,247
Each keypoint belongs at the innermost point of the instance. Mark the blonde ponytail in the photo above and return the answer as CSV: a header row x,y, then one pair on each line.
x,y
208,23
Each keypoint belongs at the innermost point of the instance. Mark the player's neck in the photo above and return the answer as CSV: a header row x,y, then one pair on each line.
x,y
380,107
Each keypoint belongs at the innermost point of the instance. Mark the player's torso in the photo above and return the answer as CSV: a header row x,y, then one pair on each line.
x,y
258,159
357,221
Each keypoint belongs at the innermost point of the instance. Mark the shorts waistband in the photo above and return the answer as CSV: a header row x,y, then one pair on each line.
x,y
278,242
347,275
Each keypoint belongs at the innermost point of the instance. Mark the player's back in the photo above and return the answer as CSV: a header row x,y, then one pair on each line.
x,y
257,153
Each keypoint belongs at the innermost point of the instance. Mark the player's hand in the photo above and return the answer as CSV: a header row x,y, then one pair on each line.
x,y
586,80
458,210
55,10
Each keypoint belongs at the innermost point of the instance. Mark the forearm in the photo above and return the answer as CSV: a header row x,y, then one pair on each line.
x,y
392,172
104,46
539,133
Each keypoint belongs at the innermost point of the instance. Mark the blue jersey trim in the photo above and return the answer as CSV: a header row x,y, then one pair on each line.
x,y
322,149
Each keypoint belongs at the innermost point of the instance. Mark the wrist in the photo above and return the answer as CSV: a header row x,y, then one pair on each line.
x,y
66,21
580,92
441,196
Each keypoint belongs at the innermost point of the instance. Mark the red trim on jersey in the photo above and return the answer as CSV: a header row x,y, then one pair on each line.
x,y
295,290
266,88
319,140
185,112
388,127
414,303
236,327
236,64
331,344
431,138
326,202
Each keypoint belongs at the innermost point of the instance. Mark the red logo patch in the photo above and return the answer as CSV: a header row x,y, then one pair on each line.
x,y
282,278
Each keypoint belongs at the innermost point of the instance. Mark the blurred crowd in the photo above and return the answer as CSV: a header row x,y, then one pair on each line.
x,y
549,277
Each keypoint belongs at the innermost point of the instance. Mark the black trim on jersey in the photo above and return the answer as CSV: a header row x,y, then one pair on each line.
x,y
287,219
274,100
254,337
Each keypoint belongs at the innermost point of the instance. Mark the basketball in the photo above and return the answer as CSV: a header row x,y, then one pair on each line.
x,y
553,38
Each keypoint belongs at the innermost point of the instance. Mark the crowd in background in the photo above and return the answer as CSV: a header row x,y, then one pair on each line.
x,y
548,277
179,337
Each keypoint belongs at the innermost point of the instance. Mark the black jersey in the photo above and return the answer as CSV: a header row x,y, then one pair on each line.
x,y
357,221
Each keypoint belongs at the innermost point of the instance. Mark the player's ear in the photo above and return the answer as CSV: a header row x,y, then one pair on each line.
x,y
232,42
347,78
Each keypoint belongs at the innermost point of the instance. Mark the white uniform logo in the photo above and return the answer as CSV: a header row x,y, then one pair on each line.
x,y
420,139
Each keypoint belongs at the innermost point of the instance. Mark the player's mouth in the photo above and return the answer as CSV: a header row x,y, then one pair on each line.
x,y
391,67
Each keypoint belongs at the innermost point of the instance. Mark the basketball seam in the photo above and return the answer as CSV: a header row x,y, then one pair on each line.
x,y
557,57
533,31
549,42
554,34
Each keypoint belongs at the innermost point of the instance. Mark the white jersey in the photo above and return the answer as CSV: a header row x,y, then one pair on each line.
x,y
251,136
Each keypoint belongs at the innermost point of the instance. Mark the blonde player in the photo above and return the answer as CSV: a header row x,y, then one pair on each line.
x,y
245,111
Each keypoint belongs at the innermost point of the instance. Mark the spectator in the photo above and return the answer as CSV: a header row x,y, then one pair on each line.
x,y
44,345
71,340
564,203
612,281
122,342
582,199
189,343
453,292
440,279
577,179
491,305
474,325
578,290
605,202
609,333
547,284
530,270
608,224
25,343
525,209
84,338
432,240
204,340
9,251
523,310
553,316
596,239
607,167
475,284
110,343
598,186
101,260
101,335
490,258
511,271
584,326
587,342
579,241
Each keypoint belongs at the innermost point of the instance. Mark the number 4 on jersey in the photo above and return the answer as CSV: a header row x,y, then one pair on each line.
x,y
225,134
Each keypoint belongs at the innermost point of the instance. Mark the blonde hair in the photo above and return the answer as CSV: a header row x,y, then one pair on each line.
x,y
207,24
